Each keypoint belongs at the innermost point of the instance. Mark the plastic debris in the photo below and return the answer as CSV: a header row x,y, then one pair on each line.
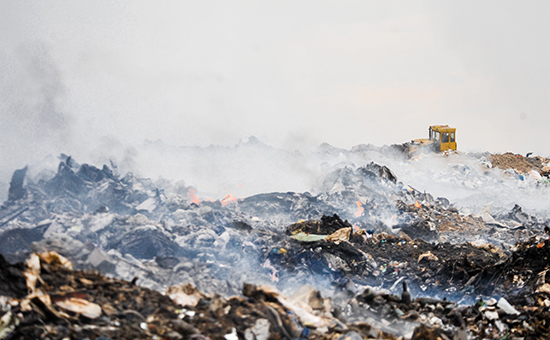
x,y
80,306
507,307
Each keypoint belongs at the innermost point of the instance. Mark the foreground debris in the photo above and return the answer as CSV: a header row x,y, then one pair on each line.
x,y
46,298
124,227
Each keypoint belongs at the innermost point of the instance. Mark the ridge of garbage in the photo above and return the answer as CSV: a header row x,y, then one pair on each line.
x,y
359,239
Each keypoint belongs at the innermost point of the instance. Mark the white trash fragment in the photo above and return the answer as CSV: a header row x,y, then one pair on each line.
x,y
232,335
52,257
260,330
500,326
507,307
32,273
8,323
149,204
485,213
185,294
491,302
491,315
76,305
429,256
545,288
339,235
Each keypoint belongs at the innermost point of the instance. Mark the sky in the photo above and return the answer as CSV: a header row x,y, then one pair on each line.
x,y
92,77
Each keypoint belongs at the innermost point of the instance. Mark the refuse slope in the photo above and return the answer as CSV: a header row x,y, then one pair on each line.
x,y
361,230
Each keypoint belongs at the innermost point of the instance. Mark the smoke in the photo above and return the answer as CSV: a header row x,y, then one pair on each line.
x,y
467,182
33,119
95,80
247,168
252,167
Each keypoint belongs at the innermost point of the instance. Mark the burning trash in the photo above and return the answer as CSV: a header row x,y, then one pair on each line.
x,y
88,253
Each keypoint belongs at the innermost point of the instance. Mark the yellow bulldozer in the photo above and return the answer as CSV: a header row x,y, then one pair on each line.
x,y
440,138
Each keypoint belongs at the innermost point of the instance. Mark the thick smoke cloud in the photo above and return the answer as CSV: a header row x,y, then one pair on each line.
x,y
32,115
96,79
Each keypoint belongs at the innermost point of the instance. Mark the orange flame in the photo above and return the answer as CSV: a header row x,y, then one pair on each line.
x,y
193,197
228,198
360,211
418,205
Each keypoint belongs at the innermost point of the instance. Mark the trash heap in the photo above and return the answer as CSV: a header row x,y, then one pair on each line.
x,y
162,264
46,298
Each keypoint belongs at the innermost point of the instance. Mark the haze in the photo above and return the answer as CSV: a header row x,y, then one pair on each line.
x,y
95,78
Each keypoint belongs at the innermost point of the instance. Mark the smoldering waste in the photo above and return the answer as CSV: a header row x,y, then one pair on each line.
x,y
366,256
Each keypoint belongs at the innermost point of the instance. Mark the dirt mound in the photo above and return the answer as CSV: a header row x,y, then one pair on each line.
x,y
518,162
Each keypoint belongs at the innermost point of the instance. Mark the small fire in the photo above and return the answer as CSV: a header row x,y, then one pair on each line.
x,y
193,197
360,211
228,198
418,205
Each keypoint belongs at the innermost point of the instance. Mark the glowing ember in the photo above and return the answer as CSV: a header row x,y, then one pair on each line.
x,y
360,211
193,197
228,198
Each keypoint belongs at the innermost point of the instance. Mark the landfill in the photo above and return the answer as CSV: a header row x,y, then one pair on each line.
x,y
89,253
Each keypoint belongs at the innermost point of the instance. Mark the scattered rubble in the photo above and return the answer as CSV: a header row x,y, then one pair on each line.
x,y
391,261
58,303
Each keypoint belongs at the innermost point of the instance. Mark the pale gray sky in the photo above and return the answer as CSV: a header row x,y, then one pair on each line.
x,y
76,74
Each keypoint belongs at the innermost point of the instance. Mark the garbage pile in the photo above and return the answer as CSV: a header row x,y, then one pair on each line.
x,y
536,168
124,226
46,298
518,162
459,272
237,267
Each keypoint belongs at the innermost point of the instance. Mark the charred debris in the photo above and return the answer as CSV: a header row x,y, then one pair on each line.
x,y
88,253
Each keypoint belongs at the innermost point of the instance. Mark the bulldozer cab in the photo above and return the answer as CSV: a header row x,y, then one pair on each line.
x,y
443,136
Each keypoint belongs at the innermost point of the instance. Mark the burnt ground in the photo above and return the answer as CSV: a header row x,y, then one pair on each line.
x,y
435,269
